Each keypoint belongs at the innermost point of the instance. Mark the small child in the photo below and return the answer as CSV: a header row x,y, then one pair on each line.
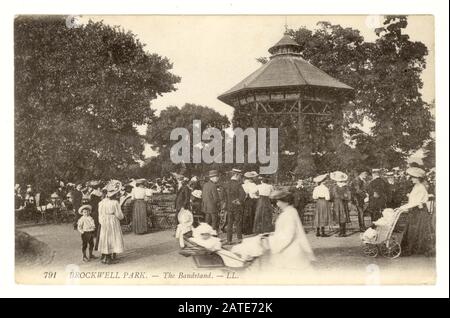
x,y
185,220
379,227
86,227
204,235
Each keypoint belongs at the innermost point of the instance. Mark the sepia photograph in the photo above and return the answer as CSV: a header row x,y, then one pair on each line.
x,y
225,149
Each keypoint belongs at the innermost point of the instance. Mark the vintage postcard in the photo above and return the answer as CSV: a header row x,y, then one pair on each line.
x,y
211,150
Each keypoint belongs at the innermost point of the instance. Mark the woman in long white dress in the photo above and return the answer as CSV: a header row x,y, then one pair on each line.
x,y
110,214
289,250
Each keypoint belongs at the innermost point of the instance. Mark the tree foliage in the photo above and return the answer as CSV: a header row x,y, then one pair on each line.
x,y
386,77
80,92
158,134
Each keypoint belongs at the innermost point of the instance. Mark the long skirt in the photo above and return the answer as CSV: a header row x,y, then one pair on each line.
x,y
418,237
111,238
263,216
139,222
323,213
248,216
341,213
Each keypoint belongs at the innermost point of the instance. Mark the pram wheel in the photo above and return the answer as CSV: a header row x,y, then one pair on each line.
x,y
370,250
390,249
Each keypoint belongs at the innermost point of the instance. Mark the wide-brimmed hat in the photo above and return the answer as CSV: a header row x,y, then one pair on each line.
x,y
84,207
250,174
140,181
278,194
320,178
338,176
54,196
213,173
389,174
197,194
113,187
416,172
95,183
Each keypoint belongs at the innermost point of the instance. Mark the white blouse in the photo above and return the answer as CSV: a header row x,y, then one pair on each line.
x,y
138,193
321,191
264,189
108,207
417,196
250,188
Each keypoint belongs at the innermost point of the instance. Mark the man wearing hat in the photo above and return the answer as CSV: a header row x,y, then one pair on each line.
x,y
183,195
211,199
95,197
76,197
358,189
234,196
379,193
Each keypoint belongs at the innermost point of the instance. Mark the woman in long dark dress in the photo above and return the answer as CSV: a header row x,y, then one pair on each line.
x,y
251,197
341,196
139,224
95,197
417,238
264,210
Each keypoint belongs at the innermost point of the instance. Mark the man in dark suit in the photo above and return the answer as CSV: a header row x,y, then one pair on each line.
x,y
379,194
211,199
358,187
234,196
183,195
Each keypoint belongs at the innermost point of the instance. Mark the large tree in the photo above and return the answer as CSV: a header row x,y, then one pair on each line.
x,y
79,94
386,76
158,134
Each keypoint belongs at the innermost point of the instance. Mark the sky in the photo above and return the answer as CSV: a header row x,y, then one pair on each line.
x,y
213,53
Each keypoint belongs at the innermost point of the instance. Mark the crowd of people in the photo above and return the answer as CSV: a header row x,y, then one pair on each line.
x,y
238,204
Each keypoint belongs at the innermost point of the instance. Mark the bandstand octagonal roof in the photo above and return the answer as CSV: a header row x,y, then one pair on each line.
x,y
285,69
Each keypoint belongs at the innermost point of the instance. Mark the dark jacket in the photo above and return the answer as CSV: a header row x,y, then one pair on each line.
x,y
210,198
358,189
380,187
301,198
234,194
76,199
183,198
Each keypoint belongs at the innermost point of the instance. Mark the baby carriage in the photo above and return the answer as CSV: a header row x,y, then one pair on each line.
x,y
219,258
388,237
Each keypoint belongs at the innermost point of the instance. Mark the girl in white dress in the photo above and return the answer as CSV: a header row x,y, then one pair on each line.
x,y
110,214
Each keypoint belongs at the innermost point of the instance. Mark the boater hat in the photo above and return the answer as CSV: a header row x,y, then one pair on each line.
x,y
251,174
320,178
113,187
278,194
197,194
338,176
416,172
140,181
84,207
234,170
